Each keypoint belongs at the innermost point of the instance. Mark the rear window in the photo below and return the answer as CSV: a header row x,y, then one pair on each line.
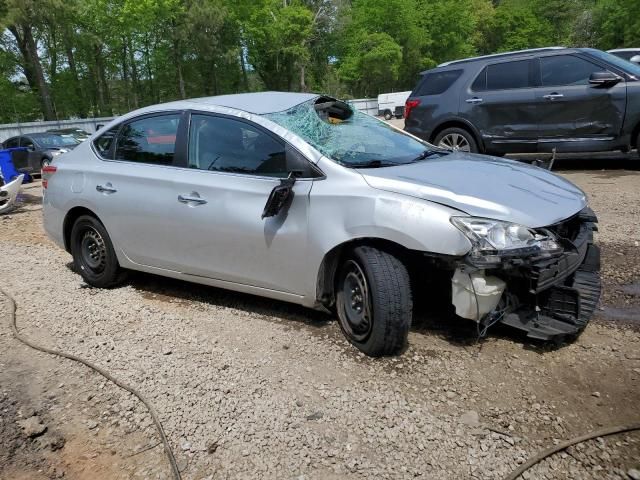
x,y
104,142
508,75
436,83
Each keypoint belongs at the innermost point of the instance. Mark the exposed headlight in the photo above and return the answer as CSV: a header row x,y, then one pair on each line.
x,y
494,239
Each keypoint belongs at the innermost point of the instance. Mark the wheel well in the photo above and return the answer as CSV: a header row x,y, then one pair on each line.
x,y
326,283
69,220
457,124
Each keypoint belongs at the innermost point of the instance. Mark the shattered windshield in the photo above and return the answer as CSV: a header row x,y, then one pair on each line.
x,y
349,137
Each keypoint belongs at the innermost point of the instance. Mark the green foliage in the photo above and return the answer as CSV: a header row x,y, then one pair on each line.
x,y
69,58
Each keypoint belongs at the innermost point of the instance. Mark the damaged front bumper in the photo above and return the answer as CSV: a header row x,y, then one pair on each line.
x,y
548,298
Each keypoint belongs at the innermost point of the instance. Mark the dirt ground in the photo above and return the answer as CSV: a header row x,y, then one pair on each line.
x,y
252,388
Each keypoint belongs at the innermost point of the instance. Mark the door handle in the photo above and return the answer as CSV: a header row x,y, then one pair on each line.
x,y
191,199
473,100
553,96
108,188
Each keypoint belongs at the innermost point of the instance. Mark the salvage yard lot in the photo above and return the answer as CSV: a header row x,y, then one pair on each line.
x,y
252,388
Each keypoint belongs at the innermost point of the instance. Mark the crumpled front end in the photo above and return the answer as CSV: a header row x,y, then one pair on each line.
x,y
550,296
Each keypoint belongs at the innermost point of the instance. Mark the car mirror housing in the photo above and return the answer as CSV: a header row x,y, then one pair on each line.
x,y
604,78
280,195
635,59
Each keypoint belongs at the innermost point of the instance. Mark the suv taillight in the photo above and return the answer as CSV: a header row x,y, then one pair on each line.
x,y
410,105
47,173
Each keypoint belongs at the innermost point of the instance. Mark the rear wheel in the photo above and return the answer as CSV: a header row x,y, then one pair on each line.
x,y
374,301
93,254
388,115
456,139
45,162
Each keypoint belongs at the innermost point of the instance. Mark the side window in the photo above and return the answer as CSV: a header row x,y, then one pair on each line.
x,y
226,145
480,83
11,143
566,70
27,142
149,140
508,75
104,142
436,83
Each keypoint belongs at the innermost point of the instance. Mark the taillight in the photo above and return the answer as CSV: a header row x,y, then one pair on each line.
x,y
47,173
410,105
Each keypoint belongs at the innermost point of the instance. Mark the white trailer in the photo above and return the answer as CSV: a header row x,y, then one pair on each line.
x,y
392,104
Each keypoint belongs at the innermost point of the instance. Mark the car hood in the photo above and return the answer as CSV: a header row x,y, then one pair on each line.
x,y
484,186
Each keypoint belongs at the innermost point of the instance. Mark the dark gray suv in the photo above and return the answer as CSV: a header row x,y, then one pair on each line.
x,y
570,99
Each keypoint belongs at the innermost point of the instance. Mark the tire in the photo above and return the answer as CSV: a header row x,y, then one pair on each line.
x,y
456,139
45,162
378,284
388,115
93,255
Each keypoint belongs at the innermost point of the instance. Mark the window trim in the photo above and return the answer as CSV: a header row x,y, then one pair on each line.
x,y
180,139
191,112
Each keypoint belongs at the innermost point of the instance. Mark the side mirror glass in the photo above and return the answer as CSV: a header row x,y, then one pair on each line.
x,y
604,78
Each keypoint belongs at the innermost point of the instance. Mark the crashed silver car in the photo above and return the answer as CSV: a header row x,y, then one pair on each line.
x,y
298,197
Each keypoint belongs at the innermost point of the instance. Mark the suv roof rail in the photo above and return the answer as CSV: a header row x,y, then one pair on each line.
x,y
503,54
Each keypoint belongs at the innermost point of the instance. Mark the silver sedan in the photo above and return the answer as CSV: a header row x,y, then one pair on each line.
x,y
299,198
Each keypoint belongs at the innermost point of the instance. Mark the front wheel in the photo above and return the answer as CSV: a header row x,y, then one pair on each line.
x,y
93,254
374,301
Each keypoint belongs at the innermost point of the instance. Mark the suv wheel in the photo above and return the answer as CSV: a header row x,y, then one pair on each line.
x,y
93,254
456,139
374,301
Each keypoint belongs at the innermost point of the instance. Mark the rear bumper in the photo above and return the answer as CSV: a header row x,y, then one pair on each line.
x,y
555,299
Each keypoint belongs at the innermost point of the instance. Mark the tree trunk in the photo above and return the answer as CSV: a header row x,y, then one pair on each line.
x,y
105,97
134,74
33,67
303,86
147,56
82,106
125,73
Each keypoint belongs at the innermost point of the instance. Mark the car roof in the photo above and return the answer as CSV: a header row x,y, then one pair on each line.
x,y
624,50
493,56
258,103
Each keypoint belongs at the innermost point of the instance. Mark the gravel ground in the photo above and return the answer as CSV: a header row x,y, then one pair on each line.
x,y
252,388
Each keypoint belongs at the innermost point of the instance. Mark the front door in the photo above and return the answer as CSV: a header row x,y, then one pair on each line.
x,y
501,102
232,167
570,111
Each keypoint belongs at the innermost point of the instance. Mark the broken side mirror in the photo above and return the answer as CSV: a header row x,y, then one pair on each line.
x,y
603,78
280,195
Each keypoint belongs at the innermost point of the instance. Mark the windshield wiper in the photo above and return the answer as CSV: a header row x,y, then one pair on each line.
x,y
370,164
429,153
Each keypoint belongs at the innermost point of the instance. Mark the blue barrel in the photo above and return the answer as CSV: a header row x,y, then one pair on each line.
x,y
8,169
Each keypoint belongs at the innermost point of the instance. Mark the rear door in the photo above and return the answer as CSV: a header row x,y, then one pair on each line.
x,y
570,110
500,103
134,188
34,155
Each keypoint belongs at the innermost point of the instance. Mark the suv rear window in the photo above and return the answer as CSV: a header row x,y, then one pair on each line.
x,y
436,83
504,76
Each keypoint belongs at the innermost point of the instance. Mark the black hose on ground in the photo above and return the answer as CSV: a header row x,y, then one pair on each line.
x,y
566,444
105,374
